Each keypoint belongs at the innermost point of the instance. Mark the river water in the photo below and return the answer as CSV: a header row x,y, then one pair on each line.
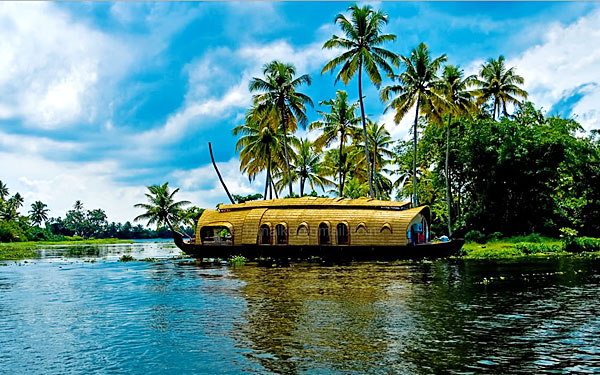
x,y
64,314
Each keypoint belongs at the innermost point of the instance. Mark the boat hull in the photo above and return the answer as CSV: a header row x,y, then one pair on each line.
x,y
303,252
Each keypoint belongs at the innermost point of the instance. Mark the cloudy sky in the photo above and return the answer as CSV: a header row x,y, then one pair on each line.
x,y
98,100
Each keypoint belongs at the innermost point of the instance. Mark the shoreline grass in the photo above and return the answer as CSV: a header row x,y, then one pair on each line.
x,y
514,247
26,250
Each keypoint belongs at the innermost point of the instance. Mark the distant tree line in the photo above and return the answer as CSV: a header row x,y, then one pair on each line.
x,y
78,223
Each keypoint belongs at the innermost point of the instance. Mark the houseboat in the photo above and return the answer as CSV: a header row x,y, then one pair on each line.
x,y
301,228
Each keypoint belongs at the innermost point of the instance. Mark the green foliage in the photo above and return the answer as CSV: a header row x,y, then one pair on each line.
x,y
528,248
475,236
126,258
11,231
580,244
246,198
237,261
496,236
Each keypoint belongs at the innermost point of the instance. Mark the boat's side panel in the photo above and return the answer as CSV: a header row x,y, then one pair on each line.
x,y
366,227
251,224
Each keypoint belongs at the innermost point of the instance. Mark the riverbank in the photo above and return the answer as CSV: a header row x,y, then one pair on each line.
x,y
24,250
518,247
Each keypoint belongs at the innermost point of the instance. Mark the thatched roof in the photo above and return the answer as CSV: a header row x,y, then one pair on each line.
x,y
314,202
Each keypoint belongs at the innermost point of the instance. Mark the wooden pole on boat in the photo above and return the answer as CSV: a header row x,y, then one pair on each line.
x,y
219,174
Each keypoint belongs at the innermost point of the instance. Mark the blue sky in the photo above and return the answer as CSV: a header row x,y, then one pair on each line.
x,y
98,100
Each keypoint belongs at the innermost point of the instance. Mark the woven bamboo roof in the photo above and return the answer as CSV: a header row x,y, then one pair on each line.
x,y
315,202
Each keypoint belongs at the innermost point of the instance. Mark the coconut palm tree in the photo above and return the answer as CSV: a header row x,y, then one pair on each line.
x,y
308,168
3,191
38,212
278,90
260,145
500,84
458,101
341,124
362,50
381,141
162,208
418,86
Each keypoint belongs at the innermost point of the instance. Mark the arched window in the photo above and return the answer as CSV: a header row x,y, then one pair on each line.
x,y
386,228
324,238
302,229
343,237
282,235
264,235
361,228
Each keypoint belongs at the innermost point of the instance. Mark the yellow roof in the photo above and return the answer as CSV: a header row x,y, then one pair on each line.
x,y
313,202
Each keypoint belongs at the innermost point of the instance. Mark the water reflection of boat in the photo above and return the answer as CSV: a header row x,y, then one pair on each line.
x,y
299,228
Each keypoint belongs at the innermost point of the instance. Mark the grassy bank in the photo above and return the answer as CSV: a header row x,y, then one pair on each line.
x,y
514,247
23,250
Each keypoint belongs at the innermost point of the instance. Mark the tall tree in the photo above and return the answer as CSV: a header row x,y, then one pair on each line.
x,y
417,87
341,123
162,208
458,101
308,168
381,141
500,84
362,50
39,212
260,144
3,191
278,89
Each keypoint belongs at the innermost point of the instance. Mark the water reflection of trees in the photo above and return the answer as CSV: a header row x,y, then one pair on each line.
x,y
399,318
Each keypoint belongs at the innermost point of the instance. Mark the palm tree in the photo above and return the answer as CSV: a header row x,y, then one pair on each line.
x,y
459,101
361,50
38,212
500,84
417,86
308,168
3,191
340,123
260,144
381,141
17,201
78,206
161,208
279,91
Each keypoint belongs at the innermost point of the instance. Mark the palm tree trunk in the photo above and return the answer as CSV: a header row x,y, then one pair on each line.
x,y
340,165
448,176
364,126
274,189
285,148
268,173
219,174
374,172
415,203
302,181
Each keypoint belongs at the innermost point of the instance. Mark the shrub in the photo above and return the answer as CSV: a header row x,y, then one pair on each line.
x,y
237,261
38,234
495,236
475,236
533,237
579,244
536,248
74,238
126,258
10,231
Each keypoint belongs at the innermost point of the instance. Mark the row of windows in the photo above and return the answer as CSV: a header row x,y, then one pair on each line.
x,y
281,231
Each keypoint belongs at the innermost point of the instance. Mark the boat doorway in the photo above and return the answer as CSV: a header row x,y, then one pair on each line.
x,y
216,235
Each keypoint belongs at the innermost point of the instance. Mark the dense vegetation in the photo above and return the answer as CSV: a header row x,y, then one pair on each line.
x,y
479,166
78,223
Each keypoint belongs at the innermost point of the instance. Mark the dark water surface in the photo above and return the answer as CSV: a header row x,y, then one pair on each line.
x,y
62,314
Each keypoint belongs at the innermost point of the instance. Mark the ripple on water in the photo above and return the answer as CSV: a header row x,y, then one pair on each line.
x,y
374,318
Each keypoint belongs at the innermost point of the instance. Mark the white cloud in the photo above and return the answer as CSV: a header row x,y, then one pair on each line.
x,y
59,184
51,65
566,60
203,187
208,72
